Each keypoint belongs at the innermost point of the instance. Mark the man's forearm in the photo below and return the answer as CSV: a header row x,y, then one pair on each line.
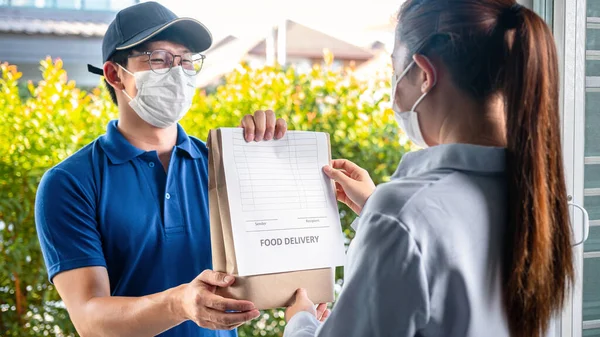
x,y
129,316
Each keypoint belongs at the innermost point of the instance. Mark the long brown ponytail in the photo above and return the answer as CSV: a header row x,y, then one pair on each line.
x,y
491,48
538,264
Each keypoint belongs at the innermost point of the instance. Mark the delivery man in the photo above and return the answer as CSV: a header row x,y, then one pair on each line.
x,y
124,222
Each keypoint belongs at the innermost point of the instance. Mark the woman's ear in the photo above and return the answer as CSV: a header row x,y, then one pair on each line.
x,y
428,75
111,74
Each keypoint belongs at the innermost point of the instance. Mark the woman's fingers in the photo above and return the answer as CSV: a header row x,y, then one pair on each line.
x,y
351,169
337,175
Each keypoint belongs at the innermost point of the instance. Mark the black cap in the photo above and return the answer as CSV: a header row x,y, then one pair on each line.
x,y
137,24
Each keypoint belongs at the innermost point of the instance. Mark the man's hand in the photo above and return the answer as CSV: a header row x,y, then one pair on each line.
x,y
263,126
303,303
352,183
201,305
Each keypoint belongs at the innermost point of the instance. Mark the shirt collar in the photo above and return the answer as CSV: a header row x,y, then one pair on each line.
x,y
185,144
460,157
119,150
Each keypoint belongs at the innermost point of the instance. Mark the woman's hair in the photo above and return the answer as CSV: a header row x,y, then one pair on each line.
x,y
491,49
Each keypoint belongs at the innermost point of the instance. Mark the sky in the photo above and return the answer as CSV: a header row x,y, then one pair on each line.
x,y
350,20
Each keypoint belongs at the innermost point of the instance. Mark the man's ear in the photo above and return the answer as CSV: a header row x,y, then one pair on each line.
x,y
111,74
428,73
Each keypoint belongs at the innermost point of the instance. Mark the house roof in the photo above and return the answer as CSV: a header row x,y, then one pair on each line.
x,y
54,22
36,26
305,42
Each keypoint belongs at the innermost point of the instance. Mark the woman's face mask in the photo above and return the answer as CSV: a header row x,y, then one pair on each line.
x,y
409,120
162,99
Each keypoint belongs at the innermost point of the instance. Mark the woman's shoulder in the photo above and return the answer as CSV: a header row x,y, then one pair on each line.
x,y
391,197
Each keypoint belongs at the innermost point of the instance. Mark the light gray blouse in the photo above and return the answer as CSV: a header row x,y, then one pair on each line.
x,y
426,258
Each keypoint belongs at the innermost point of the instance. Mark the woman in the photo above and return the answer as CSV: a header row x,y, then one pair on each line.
x,y
471,237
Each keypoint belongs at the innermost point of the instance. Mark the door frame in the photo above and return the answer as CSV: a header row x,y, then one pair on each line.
x,y
569,29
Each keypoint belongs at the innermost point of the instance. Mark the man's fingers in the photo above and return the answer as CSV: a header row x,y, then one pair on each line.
x,y
249,129
233,327
325,315
216,279
259,125
270,125
223,304
280,128
227,319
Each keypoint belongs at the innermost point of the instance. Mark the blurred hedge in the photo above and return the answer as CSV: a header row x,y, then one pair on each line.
x,y
55,118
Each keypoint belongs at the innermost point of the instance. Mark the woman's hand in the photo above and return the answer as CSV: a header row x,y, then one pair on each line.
x,y
303,303
352,183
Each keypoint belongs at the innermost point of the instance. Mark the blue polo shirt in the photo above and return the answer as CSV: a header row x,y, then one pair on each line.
x,y
113,205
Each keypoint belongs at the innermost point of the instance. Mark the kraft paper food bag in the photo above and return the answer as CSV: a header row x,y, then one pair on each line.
x,y
265,291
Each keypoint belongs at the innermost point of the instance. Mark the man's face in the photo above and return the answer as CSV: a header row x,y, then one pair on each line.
x,y
142,62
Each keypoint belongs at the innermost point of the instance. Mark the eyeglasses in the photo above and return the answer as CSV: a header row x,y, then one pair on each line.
x,y
161,61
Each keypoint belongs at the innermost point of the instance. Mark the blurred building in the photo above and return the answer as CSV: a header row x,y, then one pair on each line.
x,y
288,43
31,30
72,30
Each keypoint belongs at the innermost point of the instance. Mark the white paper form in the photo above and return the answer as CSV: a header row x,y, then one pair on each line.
x,y
283,209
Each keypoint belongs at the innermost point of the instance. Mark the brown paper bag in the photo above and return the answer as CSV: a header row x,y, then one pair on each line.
x,y
265,291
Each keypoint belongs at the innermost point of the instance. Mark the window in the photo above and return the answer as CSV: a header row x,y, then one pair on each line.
x,y
97,5
22,3
544,8
66,4
591,179
117,5
92,5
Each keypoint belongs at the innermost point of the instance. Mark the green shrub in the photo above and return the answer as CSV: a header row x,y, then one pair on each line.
x,y
56,118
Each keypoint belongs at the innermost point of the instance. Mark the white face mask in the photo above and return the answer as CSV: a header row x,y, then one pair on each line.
x,y
408,120
162,99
